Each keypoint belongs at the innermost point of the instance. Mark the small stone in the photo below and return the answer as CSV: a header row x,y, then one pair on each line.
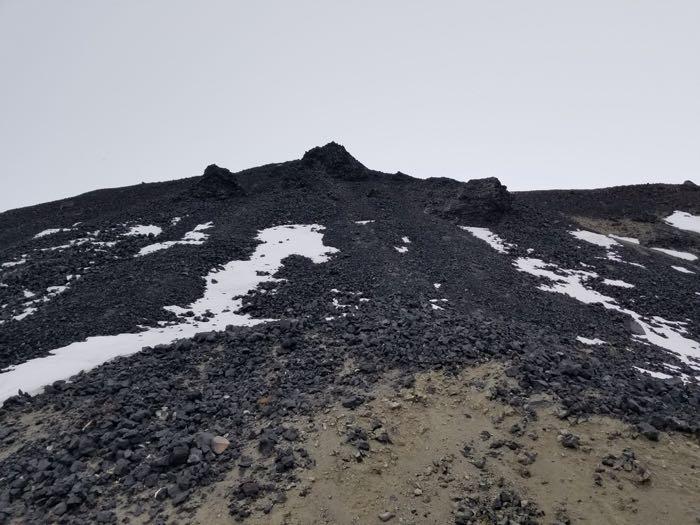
x,y
291,434
352,402
219,444
569,440
648,431
60,508
386,516
195,456
250,489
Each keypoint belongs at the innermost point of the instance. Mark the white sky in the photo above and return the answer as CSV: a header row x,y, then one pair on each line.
x,y
542,94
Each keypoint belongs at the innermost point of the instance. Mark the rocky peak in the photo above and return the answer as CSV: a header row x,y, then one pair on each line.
x,y
217,182
334,160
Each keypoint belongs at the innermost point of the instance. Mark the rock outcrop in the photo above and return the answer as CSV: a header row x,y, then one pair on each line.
x,y
479,201
216,183
334,160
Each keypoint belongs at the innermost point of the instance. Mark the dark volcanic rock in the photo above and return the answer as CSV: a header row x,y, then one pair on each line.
x,y
146,431
334,160
479,202
217,183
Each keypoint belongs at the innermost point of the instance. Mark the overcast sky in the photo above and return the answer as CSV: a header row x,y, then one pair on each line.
x,y
541,94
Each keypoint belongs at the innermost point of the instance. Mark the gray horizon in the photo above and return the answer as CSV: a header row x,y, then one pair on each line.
x,y
541,94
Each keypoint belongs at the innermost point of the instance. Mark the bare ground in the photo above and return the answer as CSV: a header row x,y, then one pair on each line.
x,y
421,474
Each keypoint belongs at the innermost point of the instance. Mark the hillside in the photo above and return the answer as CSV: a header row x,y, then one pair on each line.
x,y
318,342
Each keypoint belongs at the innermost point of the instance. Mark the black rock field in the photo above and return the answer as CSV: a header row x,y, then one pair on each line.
x,y
170,344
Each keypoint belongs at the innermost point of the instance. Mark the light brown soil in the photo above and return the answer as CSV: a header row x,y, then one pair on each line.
x,y
30,427
417,475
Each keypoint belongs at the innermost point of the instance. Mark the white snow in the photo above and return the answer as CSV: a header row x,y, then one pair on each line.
x,y
681,269
591,342
74,242
595,238
194,236
141,229
235,280
680,255
363,223
337,304
14,263
175,220
51,231
401,249
658,375
27,312
604,241
658,331
626,239
489,237
684,221
437,285
28,294
406,240
617,282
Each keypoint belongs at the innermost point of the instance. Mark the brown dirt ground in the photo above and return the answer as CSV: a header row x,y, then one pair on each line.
x,y
417,475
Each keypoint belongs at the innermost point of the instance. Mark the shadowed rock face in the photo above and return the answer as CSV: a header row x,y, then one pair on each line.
x,y
217,183
479,201
334,160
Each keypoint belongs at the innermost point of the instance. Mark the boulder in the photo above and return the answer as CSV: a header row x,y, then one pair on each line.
x,y
216,183
478,201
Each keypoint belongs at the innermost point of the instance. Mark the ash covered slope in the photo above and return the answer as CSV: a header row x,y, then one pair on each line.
x,y
395,274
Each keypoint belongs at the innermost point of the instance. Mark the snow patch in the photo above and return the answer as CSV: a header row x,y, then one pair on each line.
x,y
489,237
235,280
9,264
595,238
50,231
194,236
674,253
657,331
684,221
363,223
681,269
657,375
401,249
618,283
626,239
141,229
590,342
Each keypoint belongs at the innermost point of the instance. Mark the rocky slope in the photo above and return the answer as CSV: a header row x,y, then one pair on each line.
x,y
218,320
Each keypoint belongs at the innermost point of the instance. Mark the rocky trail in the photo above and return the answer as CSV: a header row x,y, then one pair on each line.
x,y
318,342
